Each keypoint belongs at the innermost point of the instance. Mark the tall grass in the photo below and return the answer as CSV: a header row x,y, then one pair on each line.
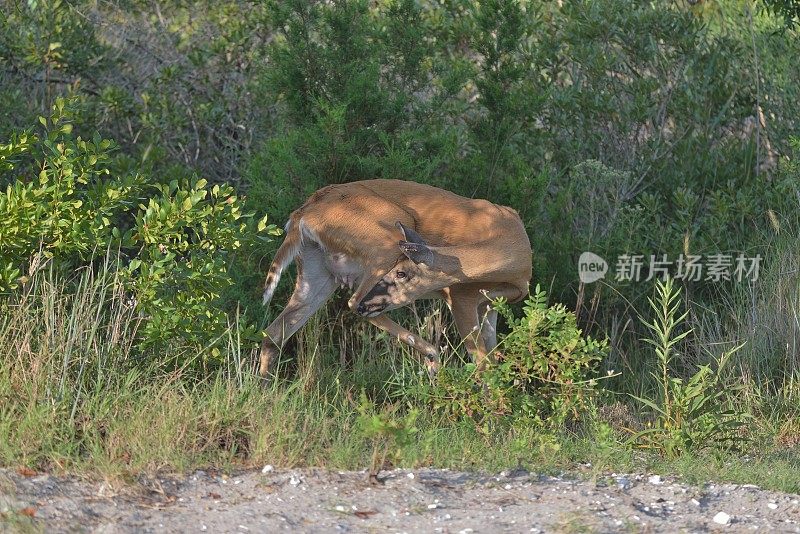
x,y
77,394
765,316
768,314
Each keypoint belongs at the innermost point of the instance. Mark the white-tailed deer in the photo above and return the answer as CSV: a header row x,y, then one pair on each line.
x,y
394,242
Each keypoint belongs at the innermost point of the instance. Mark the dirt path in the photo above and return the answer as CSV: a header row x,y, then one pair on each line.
x,y
423,500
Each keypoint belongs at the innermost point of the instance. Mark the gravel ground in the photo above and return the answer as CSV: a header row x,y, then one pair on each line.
x,y
422,500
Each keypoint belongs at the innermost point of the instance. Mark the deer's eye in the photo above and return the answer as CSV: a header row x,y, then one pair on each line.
x,y
401,275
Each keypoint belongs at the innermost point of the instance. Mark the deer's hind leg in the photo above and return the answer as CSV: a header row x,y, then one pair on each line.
x,y
476,320
463,302
313,287
488,326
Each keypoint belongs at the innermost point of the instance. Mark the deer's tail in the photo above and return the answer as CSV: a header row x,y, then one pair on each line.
x,y
283,258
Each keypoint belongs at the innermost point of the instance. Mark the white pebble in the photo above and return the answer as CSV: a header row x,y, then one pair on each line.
x,y
722,518
655,479
294,481
772,506
267,469
410,475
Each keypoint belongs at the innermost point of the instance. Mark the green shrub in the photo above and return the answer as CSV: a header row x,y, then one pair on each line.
x,y
179,244
46,47
544,372
64,206
60,200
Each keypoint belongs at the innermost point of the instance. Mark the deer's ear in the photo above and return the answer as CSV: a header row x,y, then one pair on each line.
x,y
417,252
410,235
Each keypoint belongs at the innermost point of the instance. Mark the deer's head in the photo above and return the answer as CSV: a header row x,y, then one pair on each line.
x,y
420,270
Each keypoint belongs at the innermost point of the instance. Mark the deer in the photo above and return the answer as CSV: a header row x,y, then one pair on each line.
x,y
392,242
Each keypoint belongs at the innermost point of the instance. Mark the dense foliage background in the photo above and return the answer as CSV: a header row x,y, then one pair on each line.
x,y
157,142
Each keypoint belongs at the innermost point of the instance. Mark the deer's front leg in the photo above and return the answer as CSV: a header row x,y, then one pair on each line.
x,y
429,353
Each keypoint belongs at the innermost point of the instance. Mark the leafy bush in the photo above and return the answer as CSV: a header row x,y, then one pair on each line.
x,y
544,372
179,244
60,199
546,355
63,205
172,85
46,47
788,9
